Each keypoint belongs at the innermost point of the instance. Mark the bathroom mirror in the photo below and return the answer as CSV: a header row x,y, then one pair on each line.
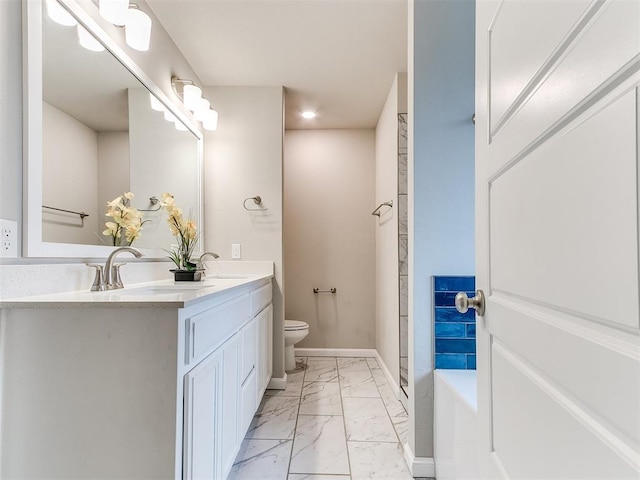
x,y
92,135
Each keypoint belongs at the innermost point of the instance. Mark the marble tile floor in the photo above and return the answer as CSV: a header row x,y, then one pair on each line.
x,y
338,419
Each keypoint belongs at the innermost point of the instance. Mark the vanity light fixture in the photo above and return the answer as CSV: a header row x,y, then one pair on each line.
x,y
170,117
201,110
137,28
88,41
58,14
180,126
156,104
308,114
191,96
210,121
114,11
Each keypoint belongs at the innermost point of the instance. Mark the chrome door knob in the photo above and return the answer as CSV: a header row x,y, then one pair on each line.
x,y
464,303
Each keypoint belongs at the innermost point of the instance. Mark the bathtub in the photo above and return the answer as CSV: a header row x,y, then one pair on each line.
x,y
456,425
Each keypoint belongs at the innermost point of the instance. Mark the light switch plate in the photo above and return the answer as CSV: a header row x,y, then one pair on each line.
x,y
235,251
8,238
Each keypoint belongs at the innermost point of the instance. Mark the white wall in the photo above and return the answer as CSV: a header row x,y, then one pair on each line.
x,y
73,178
10,110
330,236
441,181
113,162
386,261
243,158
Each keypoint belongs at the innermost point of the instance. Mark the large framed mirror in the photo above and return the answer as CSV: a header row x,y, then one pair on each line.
x,y
96,127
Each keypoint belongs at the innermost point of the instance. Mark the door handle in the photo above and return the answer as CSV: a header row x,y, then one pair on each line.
x,y
464,303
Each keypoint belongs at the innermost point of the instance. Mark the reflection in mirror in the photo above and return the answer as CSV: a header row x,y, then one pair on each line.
x,y
101,138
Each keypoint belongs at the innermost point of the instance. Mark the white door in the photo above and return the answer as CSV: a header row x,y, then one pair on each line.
x,y
557,143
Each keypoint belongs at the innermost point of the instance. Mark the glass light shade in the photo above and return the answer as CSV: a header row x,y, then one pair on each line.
x,y
58,14
114,11
211,120
137,29
308,114
169,117
201,110
155,103
191,96
88,41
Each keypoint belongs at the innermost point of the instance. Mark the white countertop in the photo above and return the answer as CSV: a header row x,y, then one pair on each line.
x,y
163,293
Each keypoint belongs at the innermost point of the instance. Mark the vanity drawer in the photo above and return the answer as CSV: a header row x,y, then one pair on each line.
x,y
260,298
207,330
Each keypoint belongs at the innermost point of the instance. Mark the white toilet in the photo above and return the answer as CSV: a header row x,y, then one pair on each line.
x,y
294,331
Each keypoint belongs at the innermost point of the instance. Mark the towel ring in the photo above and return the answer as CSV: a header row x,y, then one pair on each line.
x,y
258,201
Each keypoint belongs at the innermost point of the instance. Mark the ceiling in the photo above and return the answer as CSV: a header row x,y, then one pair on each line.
x,y
338,57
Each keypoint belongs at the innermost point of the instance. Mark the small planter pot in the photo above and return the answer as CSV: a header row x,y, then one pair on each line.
x,y
187,275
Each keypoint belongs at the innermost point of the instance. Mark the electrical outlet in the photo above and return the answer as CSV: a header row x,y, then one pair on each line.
x,y
8,238
235,251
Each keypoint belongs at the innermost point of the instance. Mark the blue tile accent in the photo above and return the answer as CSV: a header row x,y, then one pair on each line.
x,y
471,362
455,345
470,330
456,361
454,284
455,330
447,299
450,314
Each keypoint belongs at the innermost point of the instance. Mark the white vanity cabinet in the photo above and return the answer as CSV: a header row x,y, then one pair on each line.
x,y
221,391
152,389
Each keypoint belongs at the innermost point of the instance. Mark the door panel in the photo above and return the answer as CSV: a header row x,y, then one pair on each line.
x,y
510,70
546,243
574,359
573,449
605,50
558,250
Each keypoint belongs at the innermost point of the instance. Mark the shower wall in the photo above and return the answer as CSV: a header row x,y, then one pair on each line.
x,y
389,259
403,252
329,235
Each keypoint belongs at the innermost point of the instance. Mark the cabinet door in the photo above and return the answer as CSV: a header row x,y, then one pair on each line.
x,y
201,418
249,348
268,371
249,403
265,349
229,397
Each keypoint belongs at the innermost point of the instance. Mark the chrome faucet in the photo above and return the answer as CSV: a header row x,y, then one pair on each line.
x,y
111,272
200,265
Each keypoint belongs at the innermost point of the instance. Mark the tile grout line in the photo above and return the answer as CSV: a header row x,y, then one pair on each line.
x,y
386,409
295,428
344,421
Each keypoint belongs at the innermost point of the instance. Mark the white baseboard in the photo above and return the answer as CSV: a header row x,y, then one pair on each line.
x,y
392,382
336,352
278,383
419,466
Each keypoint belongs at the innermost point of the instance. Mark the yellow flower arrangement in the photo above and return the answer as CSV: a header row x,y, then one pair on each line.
x,y
185,232
127,220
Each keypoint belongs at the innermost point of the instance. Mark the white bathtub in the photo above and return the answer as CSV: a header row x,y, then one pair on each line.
x,y
456,425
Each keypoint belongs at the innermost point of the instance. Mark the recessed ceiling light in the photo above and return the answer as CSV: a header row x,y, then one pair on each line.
x,y
308,114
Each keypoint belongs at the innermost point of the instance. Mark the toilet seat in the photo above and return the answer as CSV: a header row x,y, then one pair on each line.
x,y
295,325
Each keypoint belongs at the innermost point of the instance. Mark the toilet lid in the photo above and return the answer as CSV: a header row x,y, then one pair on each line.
x,y
295,325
